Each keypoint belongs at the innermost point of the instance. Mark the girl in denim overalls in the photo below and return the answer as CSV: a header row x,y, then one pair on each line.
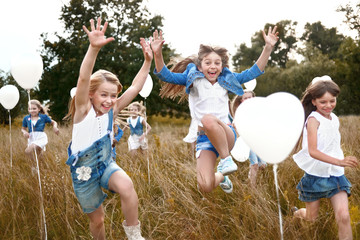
x,y
137,125
90,152
322,158
33,128
207,78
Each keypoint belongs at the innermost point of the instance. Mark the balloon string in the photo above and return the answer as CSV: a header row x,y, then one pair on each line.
x,y
10,139
38,172
147,155
278,200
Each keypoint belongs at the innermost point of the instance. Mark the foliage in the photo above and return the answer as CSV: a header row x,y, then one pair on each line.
x,y
128,21
326,40
352,16
246,56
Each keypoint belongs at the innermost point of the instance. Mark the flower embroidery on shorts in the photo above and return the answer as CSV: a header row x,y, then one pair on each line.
x,y
84,173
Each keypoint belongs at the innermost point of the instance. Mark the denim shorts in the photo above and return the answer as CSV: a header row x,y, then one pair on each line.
x,y
203,143
254,159
312,188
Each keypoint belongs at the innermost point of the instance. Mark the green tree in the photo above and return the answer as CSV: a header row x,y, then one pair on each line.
x,y
246,56
326,40
128,21
352,16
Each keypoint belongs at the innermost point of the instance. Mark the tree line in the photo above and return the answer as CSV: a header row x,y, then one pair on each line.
x,y
323,51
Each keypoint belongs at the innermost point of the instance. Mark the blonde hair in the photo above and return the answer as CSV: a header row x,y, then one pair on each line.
x,y
172,91
96,79
43,110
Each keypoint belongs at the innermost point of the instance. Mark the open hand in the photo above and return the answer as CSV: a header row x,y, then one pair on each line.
x,y
97,36
148,54
157,42
349,161
272,37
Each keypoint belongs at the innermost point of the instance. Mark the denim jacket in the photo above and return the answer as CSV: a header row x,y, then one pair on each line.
x,y
40,124
227,79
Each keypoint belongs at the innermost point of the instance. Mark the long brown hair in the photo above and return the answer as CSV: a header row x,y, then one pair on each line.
x,y
96,79
172,91
317,90
237,100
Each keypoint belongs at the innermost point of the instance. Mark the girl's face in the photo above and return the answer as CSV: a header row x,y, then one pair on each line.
x,y
211,67
104,98
33,110
134,110
325,104
246,95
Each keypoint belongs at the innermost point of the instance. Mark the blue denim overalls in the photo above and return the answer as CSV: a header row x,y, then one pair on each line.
x,y
91,169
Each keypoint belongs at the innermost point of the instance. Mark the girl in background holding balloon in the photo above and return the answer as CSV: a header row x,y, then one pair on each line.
x,y
33,128
322,158
139,128
90,153
208,79
256,162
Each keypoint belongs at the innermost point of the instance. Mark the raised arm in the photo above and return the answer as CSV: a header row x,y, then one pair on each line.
x,y
97,41
138,81
270,40
156,45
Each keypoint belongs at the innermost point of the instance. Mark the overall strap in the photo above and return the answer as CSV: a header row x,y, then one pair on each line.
x,y
110,120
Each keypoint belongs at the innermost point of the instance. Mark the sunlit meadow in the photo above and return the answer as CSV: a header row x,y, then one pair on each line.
x,y
170,205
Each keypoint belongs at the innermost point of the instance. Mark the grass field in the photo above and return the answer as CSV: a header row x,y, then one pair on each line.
x,y
170,207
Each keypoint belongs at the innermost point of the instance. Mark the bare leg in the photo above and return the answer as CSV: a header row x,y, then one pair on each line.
x,y
120,183
253,173
219,134
206,178
29,151
341,208
309,213
97,227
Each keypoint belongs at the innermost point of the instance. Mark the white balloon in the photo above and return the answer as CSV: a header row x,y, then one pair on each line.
x,y
240,151
27,69
9,96
73,92
250,85
271,126
148,85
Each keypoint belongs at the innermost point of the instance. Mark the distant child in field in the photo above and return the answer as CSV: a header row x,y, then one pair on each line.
x,y
139,128
207,79
322,158
255,161
90,155
33,128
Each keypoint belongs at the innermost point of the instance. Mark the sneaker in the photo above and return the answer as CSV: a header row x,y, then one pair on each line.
x,y
226,185
227,166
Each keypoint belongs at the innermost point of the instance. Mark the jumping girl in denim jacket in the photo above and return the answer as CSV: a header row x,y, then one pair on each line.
x,y
322,158
208,79
33,128
92,111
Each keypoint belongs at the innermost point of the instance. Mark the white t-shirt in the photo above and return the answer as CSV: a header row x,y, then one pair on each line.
x,y
328,142
209,99
90,129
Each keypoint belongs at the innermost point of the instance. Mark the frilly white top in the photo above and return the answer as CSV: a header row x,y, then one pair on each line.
x,y
209,99
328,142
90,129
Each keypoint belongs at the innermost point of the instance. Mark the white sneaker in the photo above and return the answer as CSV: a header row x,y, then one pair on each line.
x,y
227,166
226,185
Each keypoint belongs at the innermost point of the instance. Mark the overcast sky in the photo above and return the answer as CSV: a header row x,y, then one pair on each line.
x,y
226,23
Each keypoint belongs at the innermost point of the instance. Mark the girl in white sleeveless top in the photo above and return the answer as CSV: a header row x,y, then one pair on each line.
x,y
90,159
322,159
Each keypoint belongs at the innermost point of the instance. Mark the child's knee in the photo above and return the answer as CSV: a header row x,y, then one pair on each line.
x,y
208,120
342,216
205,185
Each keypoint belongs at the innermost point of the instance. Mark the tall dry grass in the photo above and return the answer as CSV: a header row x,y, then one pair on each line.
x,y
170,207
